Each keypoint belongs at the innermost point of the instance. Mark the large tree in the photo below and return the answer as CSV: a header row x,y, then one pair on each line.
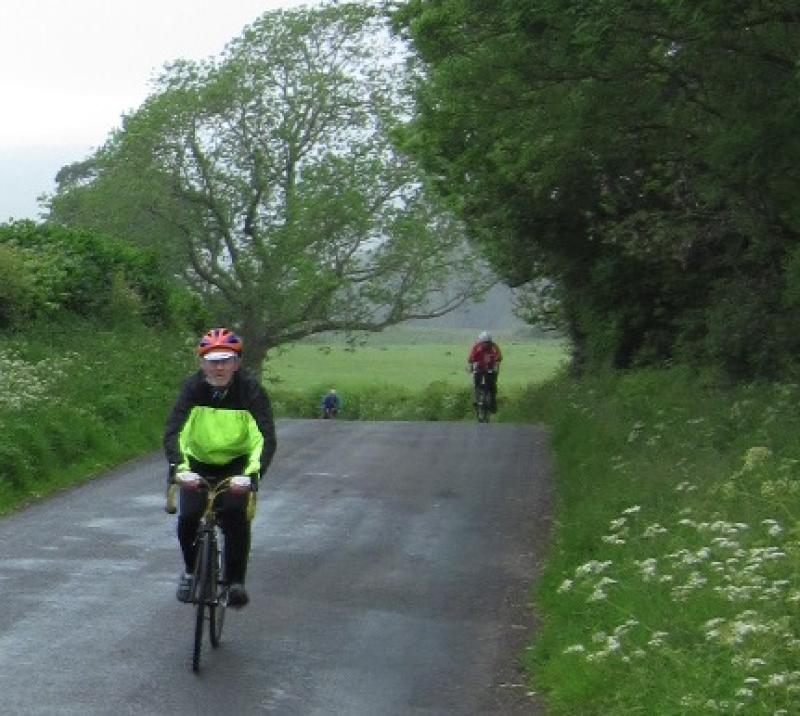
x,y
272,172
635,159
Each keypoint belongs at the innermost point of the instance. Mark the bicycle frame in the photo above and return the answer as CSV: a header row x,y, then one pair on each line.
x,y
482,400
209,590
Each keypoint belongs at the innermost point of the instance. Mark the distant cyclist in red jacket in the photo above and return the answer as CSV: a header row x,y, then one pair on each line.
x,y
484,362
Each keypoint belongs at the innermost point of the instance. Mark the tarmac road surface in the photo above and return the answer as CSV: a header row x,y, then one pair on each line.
x,y
389,575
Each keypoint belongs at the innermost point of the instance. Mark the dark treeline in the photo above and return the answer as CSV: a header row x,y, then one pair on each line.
x,y
633,164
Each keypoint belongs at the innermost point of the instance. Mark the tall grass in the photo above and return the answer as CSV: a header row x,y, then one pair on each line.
x,y
76,398
673,584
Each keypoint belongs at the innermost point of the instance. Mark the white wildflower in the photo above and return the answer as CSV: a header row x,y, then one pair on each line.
x,y
648,567
625,627
756,456
599,593
715,622
777,680
592,567
653,530
575,649
635,431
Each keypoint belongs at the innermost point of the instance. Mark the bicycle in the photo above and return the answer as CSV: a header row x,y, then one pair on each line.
x,y
329,413
209,591
483,399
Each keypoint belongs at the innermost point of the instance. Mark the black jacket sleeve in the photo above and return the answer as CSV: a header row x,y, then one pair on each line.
x,y
176,420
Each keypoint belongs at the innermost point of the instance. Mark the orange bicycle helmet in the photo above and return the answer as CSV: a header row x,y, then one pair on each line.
x,y
219,339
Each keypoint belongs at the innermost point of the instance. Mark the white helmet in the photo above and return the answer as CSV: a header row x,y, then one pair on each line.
x,y
485,337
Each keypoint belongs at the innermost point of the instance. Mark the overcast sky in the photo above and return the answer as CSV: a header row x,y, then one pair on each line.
x,y
70,68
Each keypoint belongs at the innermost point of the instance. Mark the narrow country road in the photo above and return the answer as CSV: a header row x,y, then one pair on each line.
x,y
390,575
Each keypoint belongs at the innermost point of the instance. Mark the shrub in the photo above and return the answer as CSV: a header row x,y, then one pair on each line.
x,y
79,398
438,401
17,294
88,274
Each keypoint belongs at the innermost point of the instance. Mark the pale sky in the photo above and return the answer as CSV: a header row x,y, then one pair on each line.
x,y
69,69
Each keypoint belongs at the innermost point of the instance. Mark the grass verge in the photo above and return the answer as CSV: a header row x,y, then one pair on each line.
x,y
76,399
673,584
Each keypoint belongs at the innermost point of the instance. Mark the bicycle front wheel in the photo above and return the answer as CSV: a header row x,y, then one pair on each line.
x,y
482,406
219,592
201,592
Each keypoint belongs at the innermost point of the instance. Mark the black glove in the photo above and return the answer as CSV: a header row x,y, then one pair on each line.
x,y
254,478
171,503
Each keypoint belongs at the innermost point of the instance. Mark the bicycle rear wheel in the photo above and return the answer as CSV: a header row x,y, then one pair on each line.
x,y
219,592
482,405
201,592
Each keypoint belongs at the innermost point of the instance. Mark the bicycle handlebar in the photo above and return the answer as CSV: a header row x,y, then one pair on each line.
x,y
219,486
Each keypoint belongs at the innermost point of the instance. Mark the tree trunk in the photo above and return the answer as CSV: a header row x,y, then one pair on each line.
x,y
255,350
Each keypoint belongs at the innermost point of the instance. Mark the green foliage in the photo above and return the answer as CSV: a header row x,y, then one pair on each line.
x,y
436,401
279,195
76,398
17,288
101,197
83,273
637,157
672,581
187,309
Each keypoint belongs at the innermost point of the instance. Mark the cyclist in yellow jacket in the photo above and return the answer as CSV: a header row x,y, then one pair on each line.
x,y
220,426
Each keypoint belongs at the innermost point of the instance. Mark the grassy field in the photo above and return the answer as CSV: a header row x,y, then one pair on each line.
x,y
412,366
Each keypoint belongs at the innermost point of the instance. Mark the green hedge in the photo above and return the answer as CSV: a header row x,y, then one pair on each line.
x,y
77,398
438,401
45,269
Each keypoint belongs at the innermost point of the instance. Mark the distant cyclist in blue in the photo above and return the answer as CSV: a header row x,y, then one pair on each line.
x,y
331,404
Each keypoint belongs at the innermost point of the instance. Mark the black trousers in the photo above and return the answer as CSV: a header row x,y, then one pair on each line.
x,y
235,528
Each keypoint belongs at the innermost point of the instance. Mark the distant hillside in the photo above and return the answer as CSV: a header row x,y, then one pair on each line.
x,y
494,313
